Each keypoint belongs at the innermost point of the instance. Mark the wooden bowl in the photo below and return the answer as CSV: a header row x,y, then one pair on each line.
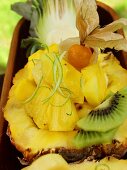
x,y
17,59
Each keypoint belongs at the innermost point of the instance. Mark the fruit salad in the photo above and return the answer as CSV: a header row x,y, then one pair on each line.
x,y
68,104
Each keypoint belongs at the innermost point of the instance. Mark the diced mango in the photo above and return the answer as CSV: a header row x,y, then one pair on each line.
x,y
71,81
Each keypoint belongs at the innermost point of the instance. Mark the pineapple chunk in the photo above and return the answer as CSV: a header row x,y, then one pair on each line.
x,y
37,110
94,84
58,163
42,163
24,89
56,114
108,163
20,74
28,70
121,133
117,75
43,67
71,80
43,64
62,114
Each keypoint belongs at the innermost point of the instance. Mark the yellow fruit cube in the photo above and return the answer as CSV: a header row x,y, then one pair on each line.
x,y
24,89
116,74
62,114
49,162
94,84
56,114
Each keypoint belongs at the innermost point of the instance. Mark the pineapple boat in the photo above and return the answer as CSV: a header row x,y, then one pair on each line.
x,y
70,99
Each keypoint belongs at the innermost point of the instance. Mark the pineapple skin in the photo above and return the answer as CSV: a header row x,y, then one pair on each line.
x,y
32,141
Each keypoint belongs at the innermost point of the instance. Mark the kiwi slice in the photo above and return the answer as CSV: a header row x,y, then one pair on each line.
x,y
89,138
108,115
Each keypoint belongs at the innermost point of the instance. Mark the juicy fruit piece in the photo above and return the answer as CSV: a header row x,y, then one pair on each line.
x,y
70,76
56,163
24,89
88,138
79,56
108,163
117,75
94,84
56,114
42,60
18,75
121,134
71,81
108,115
37,110
62,114
40,69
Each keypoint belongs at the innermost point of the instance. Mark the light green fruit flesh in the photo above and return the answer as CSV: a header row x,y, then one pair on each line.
x,y
25,133
109,115
85,138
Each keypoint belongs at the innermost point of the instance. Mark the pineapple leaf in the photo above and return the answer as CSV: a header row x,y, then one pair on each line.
x,y
23,9
32,45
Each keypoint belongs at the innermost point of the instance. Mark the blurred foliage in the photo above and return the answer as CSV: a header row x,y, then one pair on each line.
x,y
9,19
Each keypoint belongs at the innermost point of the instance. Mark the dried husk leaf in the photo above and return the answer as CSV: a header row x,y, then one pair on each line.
x,y
106,36
82,27
87,22
87,18
118,44
66,44
114,26
90,34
